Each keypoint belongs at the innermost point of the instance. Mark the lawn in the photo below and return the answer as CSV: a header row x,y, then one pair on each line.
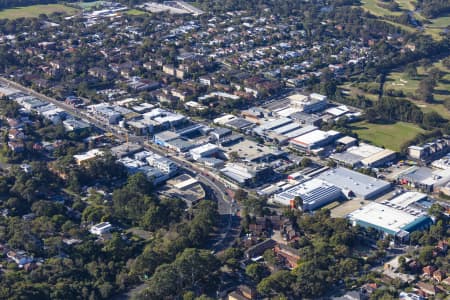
x,y
135,12
372,7
441,22
353,91
406,4
34,11
89,5
399,81
390,136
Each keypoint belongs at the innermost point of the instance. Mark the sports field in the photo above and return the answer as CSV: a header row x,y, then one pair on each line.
x,y
34,11
391,136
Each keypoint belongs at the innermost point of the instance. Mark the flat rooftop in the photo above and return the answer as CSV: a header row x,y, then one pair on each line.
x,y
365,150
311,191
313,137
383,217
407,199
361,185
250,150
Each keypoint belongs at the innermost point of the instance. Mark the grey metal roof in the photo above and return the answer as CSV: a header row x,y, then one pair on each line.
x,y
362,185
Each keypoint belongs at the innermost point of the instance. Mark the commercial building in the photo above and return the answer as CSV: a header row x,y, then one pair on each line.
x,y
239,124
163,137
162,163
30,103
314,193
281,130
204,151
355,183
251,151
443,163
314,139
429,151
125,149
164,119
220,133
424,178
154,175
247,174
308,104
379,159
306,119
389,220
105,112
179,145
338,111
347,142
253,114
364,155
133,166
407,200
272,124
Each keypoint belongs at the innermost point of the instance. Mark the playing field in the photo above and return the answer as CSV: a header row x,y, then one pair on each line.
x,y
391,136
35,10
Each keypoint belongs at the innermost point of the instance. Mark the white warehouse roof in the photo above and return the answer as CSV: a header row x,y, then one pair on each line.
x,y
382,217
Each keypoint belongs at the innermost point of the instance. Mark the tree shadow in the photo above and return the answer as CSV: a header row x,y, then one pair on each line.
x,y
442,92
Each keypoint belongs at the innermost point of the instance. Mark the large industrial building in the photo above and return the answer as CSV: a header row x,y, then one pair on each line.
x,y
390,220
314,193
424,178
364,155
314,139
355,183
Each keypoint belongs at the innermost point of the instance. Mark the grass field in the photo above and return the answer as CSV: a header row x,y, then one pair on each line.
x,y
88,5
371,6
135,12
407,5
35,10
441,21
354,91
399,81
391,136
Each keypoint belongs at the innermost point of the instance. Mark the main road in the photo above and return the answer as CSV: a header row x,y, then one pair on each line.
x,y
227,207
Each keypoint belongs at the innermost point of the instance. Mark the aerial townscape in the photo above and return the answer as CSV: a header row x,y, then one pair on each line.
x,y
224,149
